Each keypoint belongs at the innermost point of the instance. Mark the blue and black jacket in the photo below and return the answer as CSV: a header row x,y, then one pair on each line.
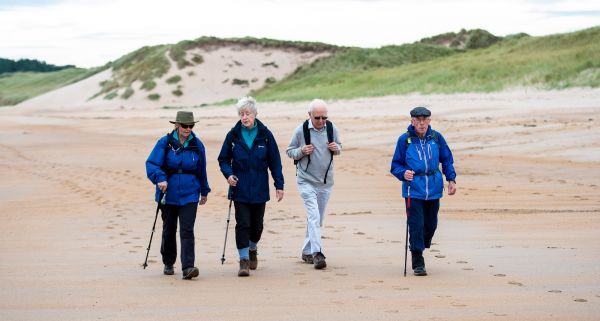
x,y
184,169
423,156
250,164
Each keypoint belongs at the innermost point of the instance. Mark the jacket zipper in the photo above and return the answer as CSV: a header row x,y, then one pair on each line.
x,y
426,169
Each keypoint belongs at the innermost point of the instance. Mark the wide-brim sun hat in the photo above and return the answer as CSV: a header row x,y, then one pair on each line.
x,y
184,117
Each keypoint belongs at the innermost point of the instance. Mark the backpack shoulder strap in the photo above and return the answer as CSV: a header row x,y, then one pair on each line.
x,y
329,127
306,132
408,138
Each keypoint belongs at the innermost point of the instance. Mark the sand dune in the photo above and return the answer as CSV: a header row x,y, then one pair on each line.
x,y
518,242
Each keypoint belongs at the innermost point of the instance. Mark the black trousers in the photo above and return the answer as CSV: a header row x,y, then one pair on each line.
x,y
249,223
168,247
422,223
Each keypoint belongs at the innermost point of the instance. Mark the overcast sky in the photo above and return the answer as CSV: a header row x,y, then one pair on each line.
x,y
91,33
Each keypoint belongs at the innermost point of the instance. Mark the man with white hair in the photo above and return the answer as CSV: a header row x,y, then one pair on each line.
x,y
312,147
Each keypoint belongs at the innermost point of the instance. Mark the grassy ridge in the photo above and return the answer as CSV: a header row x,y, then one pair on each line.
x,y
17,87
557,61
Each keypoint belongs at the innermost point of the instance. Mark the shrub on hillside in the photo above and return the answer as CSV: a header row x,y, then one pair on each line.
x,y
148,85
173,80
154,97
177,92
239,82
128,93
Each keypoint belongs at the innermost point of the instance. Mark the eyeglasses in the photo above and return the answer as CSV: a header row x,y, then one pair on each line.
x,y
184,126
320,117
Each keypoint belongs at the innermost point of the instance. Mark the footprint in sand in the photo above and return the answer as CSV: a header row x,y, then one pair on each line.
x,y
359,233
555,291
462,262
515,283
580,300
434,250
468,269
500,275
439,256
392,311
341,274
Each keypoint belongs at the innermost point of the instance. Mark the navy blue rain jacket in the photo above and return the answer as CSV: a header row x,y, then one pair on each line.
x,y
182,188
250,164
423,156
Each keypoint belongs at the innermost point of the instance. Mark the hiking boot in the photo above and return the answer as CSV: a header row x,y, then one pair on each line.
x,y
418,263
319,261
253,262
190,273
244,268
168,270
307,258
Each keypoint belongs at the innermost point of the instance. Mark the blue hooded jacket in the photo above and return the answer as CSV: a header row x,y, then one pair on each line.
x,y
423,156
250,164
184,187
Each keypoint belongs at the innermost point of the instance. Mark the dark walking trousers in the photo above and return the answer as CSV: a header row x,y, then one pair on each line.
x,y
422,222
168,247
249,223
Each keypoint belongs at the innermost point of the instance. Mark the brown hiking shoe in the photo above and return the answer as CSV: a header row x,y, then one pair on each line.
x,y
244,268
319,261
253,263
307,258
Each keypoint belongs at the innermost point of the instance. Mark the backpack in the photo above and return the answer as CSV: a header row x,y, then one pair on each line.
x,y
193,145
306,132
434,135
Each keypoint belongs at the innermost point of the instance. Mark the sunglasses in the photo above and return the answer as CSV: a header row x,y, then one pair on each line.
x,y
321,117
184,126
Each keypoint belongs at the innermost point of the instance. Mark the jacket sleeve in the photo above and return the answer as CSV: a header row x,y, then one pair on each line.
x,y
338,141
446,159
225,157
275,163
201,170
399,160
154,162
294,149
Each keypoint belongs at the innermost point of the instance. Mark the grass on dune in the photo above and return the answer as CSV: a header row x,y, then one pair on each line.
x,y
20,86
551,62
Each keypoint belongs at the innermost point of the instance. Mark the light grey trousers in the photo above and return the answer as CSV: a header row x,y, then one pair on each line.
x,y
315,201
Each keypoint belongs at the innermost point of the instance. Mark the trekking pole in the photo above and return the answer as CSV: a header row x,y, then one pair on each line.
x,y
406,238
228,218
158,204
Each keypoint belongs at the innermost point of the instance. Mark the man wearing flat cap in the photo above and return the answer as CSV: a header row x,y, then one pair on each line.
x,y
416,162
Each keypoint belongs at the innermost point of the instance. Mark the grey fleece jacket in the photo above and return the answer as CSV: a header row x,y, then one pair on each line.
x,y
320,157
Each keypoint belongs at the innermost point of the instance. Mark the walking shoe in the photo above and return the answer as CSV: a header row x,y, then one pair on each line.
x,y
253,262
420,271
190,273
418,263
307,258
319,261
168,270
244,268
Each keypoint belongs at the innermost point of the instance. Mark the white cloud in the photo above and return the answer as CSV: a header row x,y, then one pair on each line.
x,y
91,33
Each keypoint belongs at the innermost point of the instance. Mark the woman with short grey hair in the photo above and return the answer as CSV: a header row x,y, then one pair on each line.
x,y
248,152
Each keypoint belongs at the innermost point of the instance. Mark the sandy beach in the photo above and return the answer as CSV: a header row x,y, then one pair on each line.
x,y
519,241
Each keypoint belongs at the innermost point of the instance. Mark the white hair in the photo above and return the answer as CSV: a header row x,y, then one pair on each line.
x,y
316,103
247,102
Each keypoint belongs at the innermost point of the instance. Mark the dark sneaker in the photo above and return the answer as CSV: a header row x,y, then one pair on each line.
x,y
168,270
319,261
253,262
307,258
244,268
420,271
418,263
190,273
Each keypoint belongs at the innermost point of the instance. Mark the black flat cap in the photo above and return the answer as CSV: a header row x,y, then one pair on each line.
x,y
420,112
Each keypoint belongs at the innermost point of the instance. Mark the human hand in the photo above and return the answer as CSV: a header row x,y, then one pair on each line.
x,y
307,149
408,175
279,194
232,180
203,200
162,186
333,146
451,188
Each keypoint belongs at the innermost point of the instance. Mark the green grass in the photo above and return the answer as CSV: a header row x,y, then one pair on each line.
x,y
551,62
20,86
173,80
154,97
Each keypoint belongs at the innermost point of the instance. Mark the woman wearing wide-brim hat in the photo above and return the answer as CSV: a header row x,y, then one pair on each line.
x,y
177,165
